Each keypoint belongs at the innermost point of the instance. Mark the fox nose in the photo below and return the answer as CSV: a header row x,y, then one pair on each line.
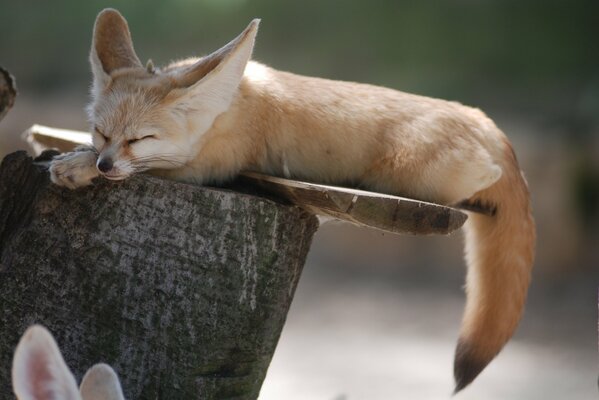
x,y
105,165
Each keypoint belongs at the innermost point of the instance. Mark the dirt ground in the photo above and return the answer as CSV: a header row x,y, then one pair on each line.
x,y
377,332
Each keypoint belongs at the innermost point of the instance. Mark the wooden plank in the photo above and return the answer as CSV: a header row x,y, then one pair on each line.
x,y
376,210
42,138
385,212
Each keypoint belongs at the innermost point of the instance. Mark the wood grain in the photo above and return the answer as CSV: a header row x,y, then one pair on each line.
x,y
384,212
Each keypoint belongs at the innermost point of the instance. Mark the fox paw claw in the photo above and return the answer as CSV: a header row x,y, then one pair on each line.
x,y
73,170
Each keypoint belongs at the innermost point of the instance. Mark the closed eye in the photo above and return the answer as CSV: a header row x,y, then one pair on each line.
x,y
131,141
99,132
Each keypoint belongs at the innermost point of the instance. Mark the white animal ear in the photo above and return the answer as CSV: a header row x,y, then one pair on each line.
x,y
112,47
39,371
213,80
101,383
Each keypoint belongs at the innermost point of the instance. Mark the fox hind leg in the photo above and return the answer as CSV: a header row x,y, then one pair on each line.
x,y
460,177
449,179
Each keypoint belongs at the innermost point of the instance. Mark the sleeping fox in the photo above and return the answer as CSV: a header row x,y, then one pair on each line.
x,y
207,119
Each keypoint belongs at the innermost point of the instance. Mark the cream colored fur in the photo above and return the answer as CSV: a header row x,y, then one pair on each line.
x,y
207,119
40,373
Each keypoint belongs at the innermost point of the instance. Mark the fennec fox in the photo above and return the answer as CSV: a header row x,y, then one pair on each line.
x,y
207,119
40,373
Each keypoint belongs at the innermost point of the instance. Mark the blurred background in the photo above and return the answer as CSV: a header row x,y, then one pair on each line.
x,y
376,316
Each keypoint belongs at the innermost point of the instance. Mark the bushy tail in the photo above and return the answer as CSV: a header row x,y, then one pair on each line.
x,y
499,254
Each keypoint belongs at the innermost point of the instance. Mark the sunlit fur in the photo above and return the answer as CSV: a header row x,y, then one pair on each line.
x,y
214,117
40,373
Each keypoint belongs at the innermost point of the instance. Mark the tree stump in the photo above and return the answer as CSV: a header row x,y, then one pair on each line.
x,y
183,289
8,92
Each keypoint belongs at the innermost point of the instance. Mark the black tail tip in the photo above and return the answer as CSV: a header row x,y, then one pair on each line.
x,y
467,365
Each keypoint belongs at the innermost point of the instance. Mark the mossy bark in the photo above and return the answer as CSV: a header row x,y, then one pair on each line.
x,y
183,289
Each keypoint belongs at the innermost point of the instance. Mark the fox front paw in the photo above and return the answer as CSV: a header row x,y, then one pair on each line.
x,y
75,169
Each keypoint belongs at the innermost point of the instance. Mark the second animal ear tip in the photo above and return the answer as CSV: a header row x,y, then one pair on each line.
x,y
36,332
103,368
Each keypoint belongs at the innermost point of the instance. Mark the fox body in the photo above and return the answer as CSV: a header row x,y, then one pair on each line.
x,y
207,119
40,373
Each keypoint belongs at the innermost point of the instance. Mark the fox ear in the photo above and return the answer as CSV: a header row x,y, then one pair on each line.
x,y
39,371
101,383
215,78
112,47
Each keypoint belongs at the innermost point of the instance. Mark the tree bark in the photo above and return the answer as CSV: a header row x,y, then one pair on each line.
x,y
8,92
183,289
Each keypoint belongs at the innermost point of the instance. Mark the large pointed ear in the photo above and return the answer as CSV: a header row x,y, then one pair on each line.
x,y
39,371
101,383
112,47
218,75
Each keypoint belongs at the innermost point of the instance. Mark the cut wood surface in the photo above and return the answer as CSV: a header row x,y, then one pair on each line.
x,y
8,92
381,211
183,289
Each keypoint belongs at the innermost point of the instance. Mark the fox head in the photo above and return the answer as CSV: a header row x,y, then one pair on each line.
x,y
146,118
40,373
